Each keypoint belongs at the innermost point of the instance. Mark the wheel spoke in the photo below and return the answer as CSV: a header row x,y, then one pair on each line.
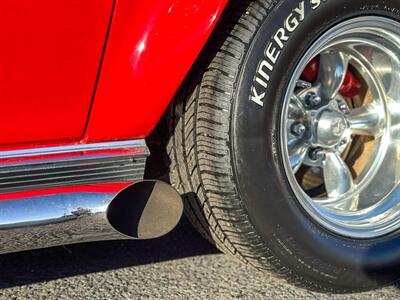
x,y
297,152
303,84
337,176
332,71
387,179
367,120
296,108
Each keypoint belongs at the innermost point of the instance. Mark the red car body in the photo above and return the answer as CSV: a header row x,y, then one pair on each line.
x,y
82,84
76,71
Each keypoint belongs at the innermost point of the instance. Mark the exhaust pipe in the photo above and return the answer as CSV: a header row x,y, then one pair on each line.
x,y
155,210
58,216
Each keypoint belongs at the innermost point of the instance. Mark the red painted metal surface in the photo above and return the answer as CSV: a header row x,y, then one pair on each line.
x,y
49,59
310,72
351,85
151,47
87,188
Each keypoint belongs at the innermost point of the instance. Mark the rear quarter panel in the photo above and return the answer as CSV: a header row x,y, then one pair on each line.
x,y
151,46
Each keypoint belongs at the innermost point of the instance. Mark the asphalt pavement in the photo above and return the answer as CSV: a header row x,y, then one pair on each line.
x,y
181,265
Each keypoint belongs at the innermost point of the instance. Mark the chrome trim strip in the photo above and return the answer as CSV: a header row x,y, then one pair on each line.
x,y
39,168
75,148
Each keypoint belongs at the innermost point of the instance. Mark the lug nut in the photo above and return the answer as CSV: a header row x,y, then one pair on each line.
x,y
317,154
313,99
304,84
343,142
298,129
344,108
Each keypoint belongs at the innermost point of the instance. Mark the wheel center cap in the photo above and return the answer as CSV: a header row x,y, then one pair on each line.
x,y
331,126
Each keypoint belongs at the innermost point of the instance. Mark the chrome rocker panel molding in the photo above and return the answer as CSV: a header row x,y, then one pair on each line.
x,y
31,169
95,207
138,146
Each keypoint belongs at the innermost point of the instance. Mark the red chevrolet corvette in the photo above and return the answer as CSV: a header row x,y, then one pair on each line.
x,y
276,124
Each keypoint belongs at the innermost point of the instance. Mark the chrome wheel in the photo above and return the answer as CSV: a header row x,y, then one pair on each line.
x,y
340,131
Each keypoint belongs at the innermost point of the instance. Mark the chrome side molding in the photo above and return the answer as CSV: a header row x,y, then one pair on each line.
x,y
40,168
135,146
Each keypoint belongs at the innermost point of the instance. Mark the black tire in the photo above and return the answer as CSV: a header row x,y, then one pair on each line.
x,y
224,152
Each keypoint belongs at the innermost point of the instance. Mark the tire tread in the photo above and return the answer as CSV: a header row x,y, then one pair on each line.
x,y
200,151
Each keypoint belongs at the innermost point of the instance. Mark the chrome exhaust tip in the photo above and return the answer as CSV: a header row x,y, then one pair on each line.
x,y
58,216
154,210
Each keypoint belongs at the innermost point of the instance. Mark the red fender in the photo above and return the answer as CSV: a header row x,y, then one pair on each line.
x,y
152,45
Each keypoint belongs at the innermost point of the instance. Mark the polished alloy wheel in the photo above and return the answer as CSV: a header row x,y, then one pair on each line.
x,y
340,128
285,142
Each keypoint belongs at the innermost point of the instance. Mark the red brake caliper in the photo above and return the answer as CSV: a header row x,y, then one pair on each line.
x,y
351,85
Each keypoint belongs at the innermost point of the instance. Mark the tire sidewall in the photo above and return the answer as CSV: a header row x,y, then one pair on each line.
x,y
264,189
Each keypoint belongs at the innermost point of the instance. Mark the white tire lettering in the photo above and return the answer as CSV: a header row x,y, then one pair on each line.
x,y
272,54
315,4
301,11
256,98
276,44
291,23
261,82
262,72
280,37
